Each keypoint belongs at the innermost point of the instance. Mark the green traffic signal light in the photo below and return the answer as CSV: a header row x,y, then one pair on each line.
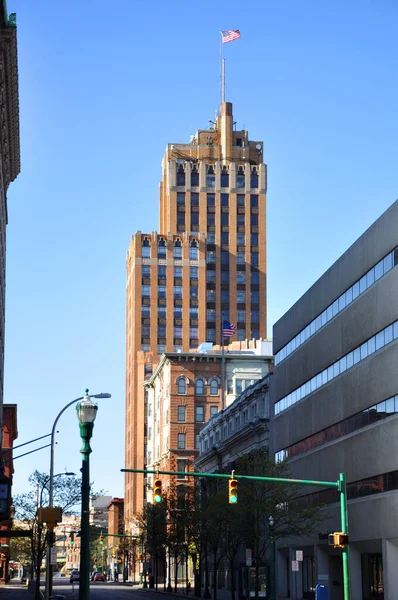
x,y
233,491
157,491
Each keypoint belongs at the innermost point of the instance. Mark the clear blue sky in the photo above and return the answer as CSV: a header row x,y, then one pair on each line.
x,y
103,87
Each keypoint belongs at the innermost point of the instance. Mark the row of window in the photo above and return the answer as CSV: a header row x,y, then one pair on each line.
x,y
211,177
211,335
370,415
162,312
373,344
359,287
234,423
240,316
211,200
162,249
225,257
177,331
199,386
211,277
162,272
199,411
377,484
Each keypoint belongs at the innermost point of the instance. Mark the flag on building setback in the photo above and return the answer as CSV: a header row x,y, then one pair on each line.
x,y
230,35
228,329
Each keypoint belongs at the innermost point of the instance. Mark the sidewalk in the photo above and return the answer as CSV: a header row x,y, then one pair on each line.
x,y
15,590
222,594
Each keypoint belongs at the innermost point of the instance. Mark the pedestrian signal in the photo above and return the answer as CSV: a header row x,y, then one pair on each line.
x,y
157,491
233,491
338,539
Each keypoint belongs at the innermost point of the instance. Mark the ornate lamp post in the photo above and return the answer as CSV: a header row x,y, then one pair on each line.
x,y
86,413
272,558
49,573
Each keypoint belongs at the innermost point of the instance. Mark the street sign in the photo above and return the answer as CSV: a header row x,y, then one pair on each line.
x,y
295,565
53,557
299,555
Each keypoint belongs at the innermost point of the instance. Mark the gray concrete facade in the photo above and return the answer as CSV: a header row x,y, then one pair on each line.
x,y
367,451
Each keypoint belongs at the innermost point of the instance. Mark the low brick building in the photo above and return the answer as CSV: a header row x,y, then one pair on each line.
x,y
182,394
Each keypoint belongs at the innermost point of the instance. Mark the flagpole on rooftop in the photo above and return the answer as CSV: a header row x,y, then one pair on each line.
x,y
222,74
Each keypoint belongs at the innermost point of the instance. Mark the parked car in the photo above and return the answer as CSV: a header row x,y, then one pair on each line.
x,y
74,576
98,576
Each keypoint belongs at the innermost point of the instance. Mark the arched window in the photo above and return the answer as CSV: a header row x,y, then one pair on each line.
x,y
182,385
199,387
214,387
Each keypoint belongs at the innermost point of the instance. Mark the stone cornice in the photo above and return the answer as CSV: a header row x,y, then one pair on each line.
x,y
9,109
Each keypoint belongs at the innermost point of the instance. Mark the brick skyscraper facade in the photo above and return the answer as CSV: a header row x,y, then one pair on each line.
x,y
207,263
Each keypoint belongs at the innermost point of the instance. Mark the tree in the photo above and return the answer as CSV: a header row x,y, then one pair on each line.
x,y
67,495
258,500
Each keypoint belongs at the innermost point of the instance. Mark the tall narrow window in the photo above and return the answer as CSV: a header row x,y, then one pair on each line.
x,y
181,414
180,175
254,178
146,249
193,250
194,176
199,387
200,414
161,248
240,178
214,387
210,177
177,249
224,177
182,385
181,441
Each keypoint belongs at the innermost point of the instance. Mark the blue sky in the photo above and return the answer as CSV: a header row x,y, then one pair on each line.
x,y
103,88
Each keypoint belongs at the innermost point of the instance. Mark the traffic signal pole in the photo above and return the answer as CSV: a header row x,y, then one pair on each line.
x,y
340,485
344,527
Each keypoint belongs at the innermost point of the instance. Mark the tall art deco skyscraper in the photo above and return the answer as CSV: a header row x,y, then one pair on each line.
x,y
207,263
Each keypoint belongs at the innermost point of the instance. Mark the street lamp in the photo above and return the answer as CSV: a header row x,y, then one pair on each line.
x,y
271,523
49,574
86,413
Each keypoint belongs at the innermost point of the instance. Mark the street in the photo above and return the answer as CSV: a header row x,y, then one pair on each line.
x,y
98,591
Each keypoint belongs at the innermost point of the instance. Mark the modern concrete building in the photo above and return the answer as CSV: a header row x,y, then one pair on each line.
x,y
183,394
206,264
335,407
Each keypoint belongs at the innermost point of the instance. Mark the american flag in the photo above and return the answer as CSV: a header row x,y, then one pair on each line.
x,y
228,329
230,35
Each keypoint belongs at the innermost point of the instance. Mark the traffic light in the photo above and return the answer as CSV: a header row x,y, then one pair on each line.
x,y
233,491
338,539
101,539
157,491
72,538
